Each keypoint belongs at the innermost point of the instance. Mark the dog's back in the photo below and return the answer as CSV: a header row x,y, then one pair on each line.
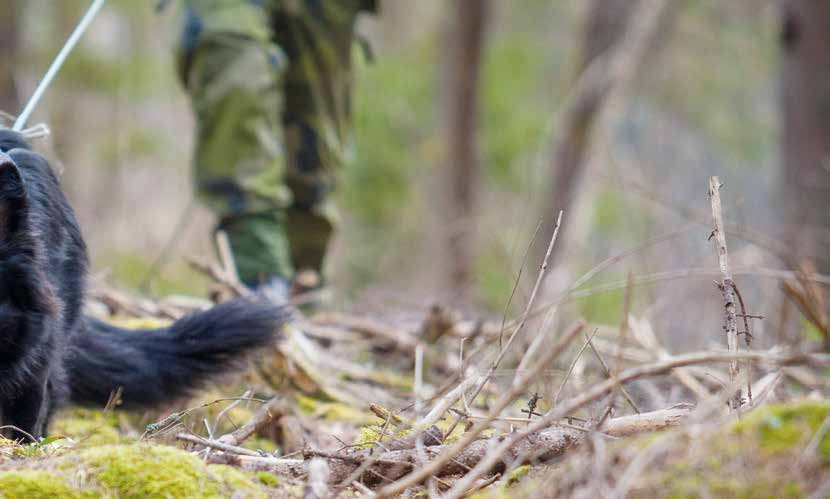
x,y
50,353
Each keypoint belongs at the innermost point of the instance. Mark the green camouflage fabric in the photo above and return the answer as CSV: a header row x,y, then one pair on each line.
x,y
270,85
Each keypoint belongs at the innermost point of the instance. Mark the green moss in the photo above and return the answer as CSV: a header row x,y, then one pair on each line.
x,y
158,471
234,482
782,428
395,419
31,484
88,427
397,428
268,479
793,489
703,481
746,459
370,434
683,487
517,474
445,424
129,471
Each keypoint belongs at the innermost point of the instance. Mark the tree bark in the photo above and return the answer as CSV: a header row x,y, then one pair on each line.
x,y
462,70
805,128
8,56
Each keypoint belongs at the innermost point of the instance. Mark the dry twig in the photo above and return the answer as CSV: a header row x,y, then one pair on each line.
x,y
571,368
600,390
218,275
611,375
469,437
525,315
264,416
726,286
214,444
538,446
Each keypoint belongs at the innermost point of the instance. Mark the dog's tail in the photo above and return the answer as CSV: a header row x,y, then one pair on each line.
x,y
160,365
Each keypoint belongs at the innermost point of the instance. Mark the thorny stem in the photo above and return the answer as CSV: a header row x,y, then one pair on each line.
x,y
726,286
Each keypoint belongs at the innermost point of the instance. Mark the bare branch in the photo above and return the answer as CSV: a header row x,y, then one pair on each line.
x,y
727,285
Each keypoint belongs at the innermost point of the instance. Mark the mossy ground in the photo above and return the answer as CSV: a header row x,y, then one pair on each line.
x,y
774,451
767,453
780,429
89,428
37,484
127,471
93,454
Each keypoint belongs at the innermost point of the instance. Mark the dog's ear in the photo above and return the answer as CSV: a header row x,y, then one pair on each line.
x,y
12,197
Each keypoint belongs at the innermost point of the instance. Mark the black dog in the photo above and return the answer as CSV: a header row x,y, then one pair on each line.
x,y
50,354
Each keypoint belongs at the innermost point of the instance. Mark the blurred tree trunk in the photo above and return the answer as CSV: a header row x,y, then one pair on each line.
x,y
8,55
805,127
606,23
462,69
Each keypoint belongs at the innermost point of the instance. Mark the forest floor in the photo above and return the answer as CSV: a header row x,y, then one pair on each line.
x,y
347,405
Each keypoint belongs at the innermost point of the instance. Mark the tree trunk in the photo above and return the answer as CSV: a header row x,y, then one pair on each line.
x,y
462,69
8,56
606,23
805,128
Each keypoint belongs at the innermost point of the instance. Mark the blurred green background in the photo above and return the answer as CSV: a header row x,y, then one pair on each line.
x,y
122,133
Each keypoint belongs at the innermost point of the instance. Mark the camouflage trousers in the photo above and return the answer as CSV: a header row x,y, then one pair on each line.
x,y
270,83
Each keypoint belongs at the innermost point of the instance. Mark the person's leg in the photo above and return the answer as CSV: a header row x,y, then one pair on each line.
x,y
317,38
234,82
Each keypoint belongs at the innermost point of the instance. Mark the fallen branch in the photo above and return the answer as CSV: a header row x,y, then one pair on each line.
x,y
213,444
294,468
602,389
646,422
539,446
264,416
517,388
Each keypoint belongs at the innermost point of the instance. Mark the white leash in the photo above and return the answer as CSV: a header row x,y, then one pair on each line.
x,y
56,64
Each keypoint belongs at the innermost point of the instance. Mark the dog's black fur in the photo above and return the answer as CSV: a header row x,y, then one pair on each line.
x,y
50,353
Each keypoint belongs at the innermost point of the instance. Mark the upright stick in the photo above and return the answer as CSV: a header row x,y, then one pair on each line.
x,y
726,286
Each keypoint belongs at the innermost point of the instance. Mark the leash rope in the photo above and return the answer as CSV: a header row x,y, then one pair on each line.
x,y
83,24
